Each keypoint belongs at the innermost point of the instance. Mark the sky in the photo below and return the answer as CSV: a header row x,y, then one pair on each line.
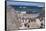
x,y
30,0
25,3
